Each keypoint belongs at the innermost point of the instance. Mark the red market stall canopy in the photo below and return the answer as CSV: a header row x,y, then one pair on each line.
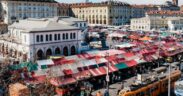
x,y
133,37
131,63
98,71
59,81
82,75
146,38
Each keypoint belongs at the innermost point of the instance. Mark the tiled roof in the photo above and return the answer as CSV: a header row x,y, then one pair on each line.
x,y
143,6
34,25
106,3
51,1
155,12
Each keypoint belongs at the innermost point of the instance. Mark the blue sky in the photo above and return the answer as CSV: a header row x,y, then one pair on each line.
x,y
129,1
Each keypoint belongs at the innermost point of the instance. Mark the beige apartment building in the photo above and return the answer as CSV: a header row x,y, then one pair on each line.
x,y
148,23
155,23
105,13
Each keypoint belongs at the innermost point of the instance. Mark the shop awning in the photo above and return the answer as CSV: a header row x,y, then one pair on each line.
x,y
133,37
38,73
121,66
125,45
114,62
37,80
98,71
84,56
129,56
140,60
82,75
30,66
59,81
112,68
145,38
89,62
68,72
56,71
101,60
131,63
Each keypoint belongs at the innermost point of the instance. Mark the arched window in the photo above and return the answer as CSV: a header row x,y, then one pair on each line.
x,y
50,37
57,51
55,37
48,53
46,37
37,38
63,36
41,38
66,35
58,36
40,55
65,51
73,50
70,35
74,35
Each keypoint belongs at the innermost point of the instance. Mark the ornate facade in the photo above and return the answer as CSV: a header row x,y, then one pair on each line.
x,y
105,13
44,38
13,10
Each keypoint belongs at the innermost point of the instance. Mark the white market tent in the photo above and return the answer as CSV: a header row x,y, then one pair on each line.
x,y
125,45
45,62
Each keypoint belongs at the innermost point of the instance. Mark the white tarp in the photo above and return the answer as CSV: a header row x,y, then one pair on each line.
x,y
125,45
45,62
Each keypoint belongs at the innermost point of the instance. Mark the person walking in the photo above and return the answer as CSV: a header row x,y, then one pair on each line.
x,y
106,93
99,93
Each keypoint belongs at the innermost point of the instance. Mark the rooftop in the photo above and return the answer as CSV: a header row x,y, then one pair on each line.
x,y
50,1
163,12
104,3
40,25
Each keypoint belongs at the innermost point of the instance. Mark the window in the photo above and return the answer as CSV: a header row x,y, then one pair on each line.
x,y
37,38
41,38
66,35
46,37
50,37
25,38
55,37
74,35
63,36
58,36
84,24
80,24
70,35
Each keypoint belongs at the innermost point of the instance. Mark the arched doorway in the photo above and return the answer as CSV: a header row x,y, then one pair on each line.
x,y
40,55
48,53
65,50
73,50
57,51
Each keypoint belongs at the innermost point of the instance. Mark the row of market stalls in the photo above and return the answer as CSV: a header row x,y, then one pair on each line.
x,y
70,69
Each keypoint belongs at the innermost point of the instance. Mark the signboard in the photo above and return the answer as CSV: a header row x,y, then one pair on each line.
x,y
139,78
107,78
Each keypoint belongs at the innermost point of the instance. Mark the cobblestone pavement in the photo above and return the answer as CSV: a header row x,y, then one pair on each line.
x,y
113,88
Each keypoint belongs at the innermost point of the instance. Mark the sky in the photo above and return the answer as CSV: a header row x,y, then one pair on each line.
x,y
128,1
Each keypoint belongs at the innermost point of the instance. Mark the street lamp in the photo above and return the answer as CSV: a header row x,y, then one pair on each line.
x,y
107,76
169,60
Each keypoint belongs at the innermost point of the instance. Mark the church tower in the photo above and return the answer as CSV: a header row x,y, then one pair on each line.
x,y
175,2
